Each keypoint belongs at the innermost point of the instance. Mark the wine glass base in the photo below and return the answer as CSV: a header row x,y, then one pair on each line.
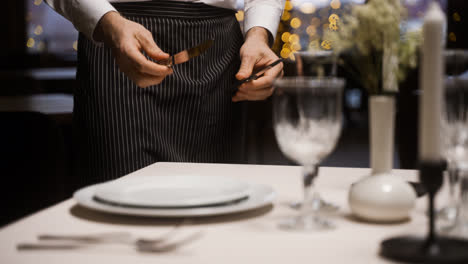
x,y
324,206
416,250
448,213
306,223
457,230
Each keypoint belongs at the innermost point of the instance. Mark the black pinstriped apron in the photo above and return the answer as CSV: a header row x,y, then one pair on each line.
x,y
189,117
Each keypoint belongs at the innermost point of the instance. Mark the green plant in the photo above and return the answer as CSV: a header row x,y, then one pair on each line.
x,y
379,54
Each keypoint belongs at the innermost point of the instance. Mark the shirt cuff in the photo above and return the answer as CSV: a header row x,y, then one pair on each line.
x,y
86,14
265,16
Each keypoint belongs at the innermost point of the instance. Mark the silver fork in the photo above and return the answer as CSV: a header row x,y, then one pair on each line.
x,y
116,237
140,245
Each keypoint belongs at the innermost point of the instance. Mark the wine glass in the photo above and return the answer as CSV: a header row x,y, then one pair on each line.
x,y
455,127
459,228
316,63
455,137
307,122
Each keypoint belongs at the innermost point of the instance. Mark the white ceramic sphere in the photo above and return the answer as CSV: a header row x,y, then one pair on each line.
x,y
382,198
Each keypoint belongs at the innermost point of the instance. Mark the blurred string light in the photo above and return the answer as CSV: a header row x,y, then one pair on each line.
x,y
326,44
335,4
240,15
296,22
315,21
307,8
37,40
293,38
333,18
38,31
452,37
311,30
30,43
303,23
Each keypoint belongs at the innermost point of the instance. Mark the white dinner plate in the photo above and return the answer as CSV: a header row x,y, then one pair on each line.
x,y
259,196
172,191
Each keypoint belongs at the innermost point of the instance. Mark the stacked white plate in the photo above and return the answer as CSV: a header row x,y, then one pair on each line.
x,y
175,196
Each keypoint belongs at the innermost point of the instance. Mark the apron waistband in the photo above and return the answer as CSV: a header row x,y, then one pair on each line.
x,y
172,9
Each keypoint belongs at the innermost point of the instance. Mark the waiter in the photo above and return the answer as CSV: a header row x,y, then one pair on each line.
x,y
187,113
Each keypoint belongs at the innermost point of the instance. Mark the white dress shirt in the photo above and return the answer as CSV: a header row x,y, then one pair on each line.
x,y
85,14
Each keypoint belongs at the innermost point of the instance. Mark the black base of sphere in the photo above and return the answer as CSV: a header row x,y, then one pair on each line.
x,y
416,250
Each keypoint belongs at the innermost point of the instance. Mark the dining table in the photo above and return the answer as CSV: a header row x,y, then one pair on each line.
x,y
251,236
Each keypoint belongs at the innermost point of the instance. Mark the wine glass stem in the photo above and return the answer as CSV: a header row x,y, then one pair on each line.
x,y
462,203
310,172
453,175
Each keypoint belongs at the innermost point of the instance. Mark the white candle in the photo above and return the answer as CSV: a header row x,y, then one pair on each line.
x,y
431,85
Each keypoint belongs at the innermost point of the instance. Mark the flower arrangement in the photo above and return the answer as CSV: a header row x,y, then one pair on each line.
x,y
376,52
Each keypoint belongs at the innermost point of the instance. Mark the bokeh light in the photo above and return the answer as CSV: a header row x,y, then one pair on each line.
x,y
288,5
326,44
240,15
31,42
286,16
335,4
296,46
333,18
285,53
38,30
315,21
307,8
452,37
295,22
303,24
293,38
311,30
285,36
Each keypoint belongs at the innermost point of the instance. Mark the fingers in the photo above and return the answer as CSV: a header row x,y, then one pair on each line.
x,y
253,95
150,47
261,88
246,67
145,66
144,80
137,68
129,40
259,84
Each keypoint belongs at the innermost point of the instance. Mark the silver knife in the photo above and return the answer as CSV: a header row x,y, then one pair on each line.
x,y
187,54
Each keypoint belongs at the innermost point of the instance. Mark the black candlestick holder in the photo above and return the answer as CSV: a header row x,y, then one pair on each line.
x,y
432,248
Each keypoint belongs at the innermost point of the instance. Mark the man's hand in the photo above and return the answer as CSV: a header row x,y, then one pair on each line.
x,y
127,40
256,53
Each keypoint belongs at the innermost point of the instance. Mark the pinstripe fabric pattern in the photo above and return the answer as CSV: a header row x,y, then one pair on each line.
x,y
189,117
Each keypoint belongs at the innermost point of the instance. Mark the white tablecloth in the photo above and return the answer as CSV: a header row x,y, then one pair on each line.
x,y
251,237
